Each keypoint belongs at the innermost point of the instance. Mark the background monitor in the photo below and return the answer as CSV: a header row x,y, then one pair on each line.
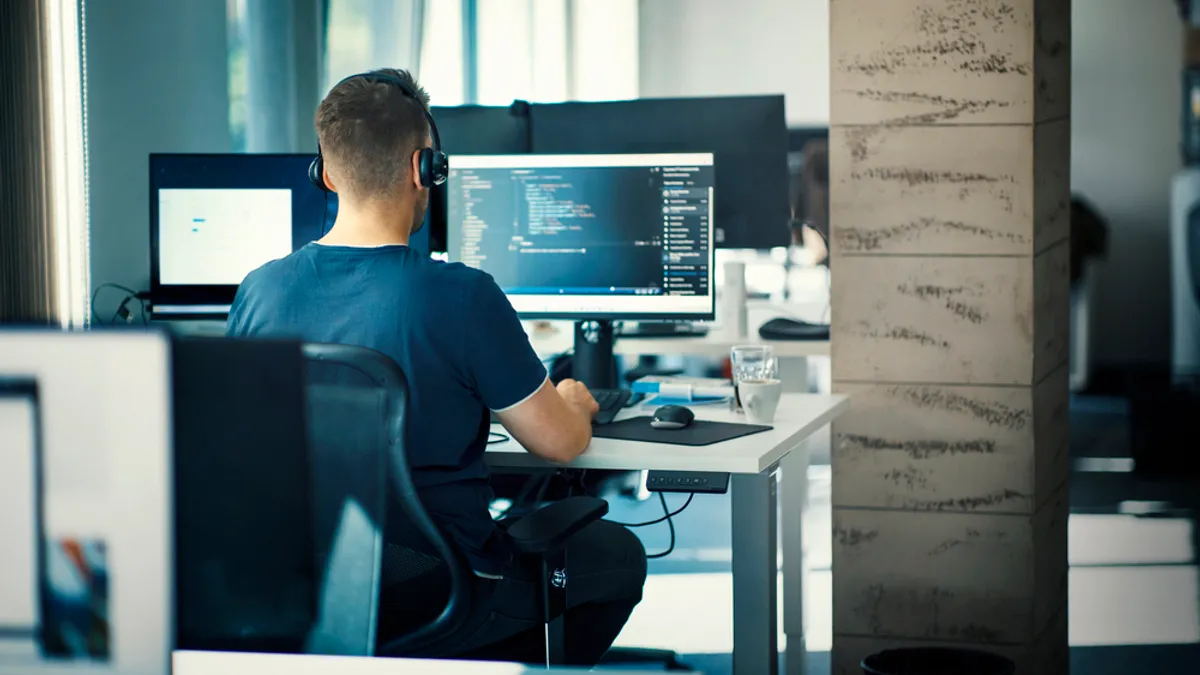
x,y
474,130
214,218
747,135
21,565
104,551
589,236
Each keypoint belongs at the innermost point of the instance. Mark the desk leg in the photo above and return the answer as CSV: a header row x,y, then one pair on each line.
x,y
793,498
755,569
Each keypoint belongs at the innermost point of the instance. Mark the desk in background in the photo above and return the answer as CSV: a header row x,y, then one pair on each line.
x,y
234,663
716,344
764,466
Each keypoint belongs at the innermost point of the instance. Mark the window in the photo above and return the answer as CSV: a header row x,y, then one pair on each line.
x,y
555,50
521,50
442,73
238,83
534,50
605,40
363,35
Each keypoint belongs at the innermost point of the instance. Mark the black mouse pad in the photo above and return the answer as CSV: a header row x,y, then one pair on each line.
x,y
699,432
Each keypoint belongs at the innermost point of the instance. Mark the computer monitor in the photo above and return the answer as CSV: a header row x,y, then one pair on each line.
x,y
86,563
483,130
474,130
747,135
21,521
214,218
589,236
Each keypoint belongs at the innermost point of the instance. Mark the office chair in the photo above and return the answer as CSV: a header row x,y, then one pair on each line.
x,y
424,566
348,452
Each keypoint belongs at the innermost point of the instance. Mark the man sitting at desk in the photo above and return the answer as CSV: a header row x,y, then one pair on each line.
x,y
457,338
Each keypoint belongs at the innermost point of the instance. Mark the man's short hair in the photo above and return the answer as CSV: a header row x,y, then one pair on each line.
x,y
368,130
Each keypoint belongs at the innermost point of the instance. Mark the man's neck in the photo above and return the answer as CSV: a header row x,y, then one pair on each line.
x,y
354,228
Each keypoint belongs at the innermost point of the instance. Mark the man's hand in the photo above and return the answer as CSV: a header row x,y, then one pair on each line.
x,y
576,394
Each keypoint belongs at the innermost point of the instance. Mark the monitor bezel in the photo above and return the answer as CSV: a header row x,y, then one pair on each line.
x,y
201,296
453,244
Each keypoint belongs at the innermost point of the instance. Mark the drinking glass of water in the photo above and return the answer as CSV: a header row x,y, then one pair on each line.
x,y
752,363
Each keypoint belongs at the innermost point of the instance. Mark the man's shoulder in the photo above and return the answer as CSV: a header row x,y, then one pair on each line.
x,y
458,276
274,270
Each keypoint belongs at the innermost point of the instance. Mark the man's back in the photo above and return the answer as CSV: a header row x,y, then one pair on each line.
x,y
448,327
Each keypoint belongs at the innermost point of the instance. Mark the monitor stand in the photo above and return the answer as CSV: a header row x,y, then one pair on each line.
x,y
593,363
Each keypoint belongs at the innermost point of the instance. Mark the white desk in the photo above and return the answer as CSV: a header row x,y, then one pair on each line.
x,y
232,663
763,466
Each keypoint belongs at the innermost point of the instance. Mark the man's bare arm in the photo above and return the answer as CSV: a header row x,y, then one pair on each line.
x,y
555,423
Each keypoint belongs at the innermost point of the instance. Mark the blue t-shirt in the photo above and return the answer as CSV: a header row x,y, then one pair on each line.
x,y
453,333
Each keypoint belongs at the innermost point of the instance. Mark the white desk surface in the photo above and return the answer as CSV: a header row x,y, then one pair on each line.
x,y
799,416
232,663
716,343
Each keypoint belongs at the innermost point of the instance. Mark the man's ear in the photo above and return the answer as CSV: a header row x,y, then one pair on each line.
x,y
416,170
325,177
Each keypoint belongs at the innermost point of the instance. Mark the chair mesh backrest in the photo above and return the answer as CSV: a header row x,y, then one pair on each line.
x,y
348,451
400,563
410,572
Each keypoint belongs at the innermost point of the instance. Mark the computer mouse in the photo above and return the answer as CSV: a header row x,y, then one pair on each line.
x,y
672,417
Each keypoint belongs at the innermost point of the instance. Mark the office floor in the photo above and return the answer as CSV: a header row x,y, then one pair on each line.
x,y
1134,554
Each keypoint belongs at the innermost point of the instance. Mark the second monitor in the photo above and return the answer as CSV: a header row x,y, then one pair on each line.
x,y
591,238
588,236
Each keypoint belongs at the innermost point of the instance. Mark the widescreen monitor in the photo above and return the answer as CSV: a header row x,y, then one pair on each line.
x,y
589,236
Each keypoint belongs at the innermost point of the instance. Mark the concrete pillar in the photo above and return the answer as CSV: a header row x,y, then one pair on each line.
x,y
950,186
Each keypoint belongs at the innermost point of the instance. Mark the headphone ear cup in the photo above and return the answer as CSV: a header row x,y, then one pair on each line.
x,y
316,173
438,164
432,165
425,166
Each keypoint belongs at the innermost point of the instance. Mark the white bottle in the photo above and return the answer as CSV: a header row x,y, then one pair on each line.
x,y
733,300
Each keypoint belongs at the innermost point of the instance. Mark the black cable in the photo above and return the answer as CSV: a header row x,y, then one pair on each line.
x,y
541,494
668,514
130,294
670,525
499,438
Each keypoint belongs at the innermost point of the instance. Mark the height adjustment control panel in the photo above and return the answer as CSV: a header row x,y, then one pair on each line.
x,y
709,482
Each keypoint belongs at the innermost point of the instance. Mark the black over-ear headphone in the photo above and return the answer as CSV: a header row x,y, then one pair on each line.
x,y
431,163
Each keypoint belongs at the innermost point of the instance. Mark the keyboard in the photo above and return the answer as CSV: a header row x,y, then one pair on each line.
x,y
611,402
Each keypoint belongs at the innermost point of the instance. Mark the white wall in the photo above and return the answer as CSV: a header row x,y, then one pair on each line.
x,y
730,47
1125,138
157,81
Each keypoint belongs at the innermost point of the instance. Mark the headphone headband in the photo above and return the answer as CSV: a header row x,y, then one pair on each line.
x,y
432,162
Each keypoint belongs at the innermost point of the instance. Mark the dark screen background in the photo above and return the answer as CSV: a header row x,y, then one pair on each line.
x,y
623,240
627,206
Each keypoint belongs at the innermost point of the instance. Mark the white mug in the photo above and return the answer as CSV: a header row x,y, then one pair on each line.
x,y
760,398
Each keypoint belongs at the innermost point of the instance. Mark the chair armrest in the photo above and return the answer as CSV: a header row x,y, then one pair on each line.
x,y
548,529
